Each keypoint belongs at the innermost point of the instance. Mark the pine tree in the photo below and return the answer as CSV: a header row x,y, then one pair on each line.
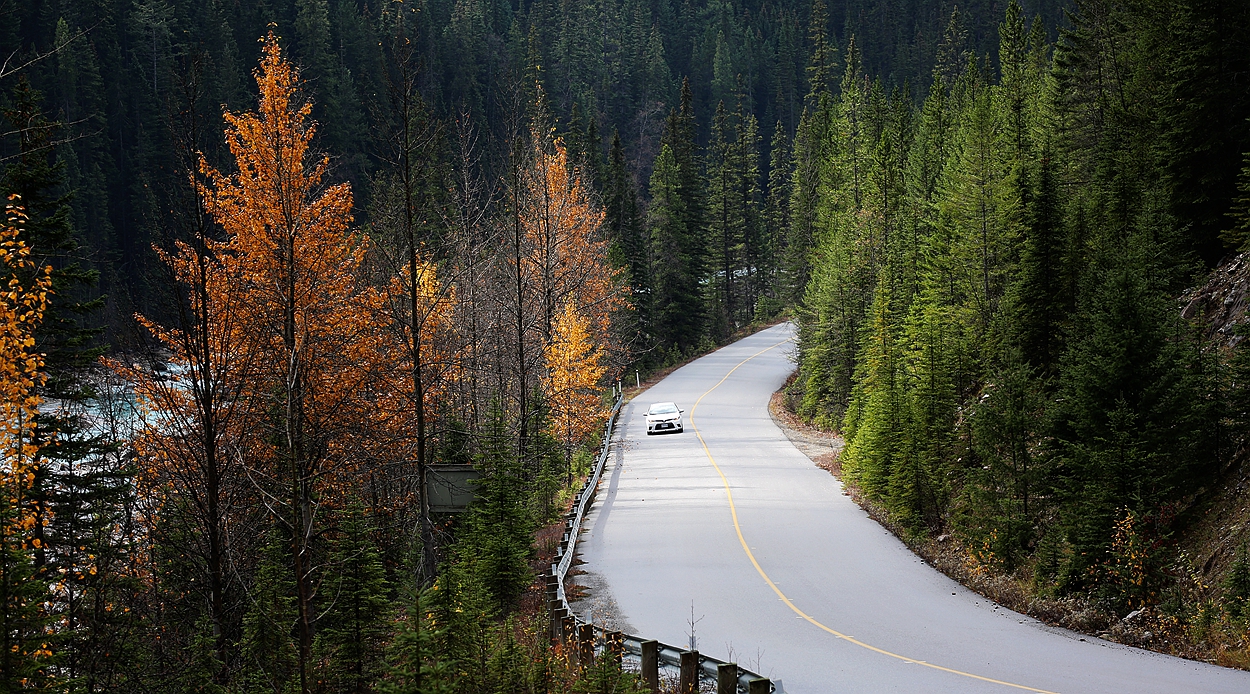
x,y
921,483
81,485
724,226
776,218
1131,425
676,308
679,136
338,103
353,630
1239,235
1040,297
1237,585
820,64
746,162
874,431
624,226
499,523
414,663
267,649
1008,491
980,212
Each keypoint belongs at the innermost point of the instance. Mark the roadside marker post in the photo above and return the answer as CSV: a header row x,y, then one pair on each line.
x,y
614,647
651,665
586,645
727,678
689,682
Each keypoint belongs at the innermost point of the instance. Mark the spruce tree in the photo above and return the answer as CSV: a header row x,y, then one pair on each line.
x,y
746,160
354,626
724,226
921,483
1006,493
267,650
1132,419
26,654
776,218
82,485
676,302
874,431
624,226
679,136
414,663
499,523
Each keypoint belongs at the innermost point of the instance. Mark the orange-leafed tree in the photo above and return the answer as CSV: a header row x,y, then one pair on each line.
x,y
561,256
311,321
574,368
24,639
567,248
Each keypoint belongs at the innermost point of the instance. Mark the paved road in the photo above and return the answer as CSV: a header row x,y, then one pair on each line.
x,y
860,612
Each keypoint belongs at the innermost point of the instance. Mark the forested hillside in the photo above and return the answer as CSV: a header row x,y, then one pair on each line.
x,y
271,264
129,76
994,316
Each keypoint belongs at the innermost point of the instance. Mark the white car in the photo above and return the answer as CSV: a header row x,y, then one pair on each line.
x,y
664,416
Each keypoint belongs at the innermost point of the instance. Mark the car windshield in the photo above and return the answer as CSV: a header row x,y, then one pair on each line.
x,y
663,408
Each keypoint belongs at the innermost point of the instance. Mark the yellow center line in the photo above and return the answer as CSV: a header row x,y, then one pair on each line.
x,y
733,510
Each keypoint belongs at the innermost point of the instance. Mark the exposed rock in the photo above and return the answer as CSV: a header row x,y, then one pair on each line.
x,y
1221,303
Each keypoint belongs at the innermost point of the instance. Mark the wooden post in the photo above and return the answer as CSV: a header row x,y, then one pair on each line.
x,y
760,686
615,647
689,682
568,632
651,665
586,645
558,615
727,678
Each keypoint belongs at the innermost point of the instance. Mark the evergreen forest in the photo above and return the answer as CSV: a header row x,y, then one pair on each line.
x,y
270,266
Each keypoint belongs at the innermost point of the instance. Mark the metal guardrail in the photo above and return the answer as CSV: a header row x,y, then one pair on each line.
x,y
588,640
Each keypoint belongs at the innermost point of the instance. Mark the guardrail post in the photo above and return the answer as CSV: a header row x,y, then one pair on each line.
x,y
615,647
568,632
762,685
727,678
558,615
586,645
689,681
651,665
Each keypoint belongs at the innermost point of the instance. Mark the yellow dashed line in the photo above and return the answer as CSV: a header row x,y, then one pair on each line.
x,y
733,510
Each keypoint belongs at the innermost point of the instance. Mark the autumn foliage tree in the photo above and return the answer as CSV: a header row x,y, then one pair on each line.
x,y
574,368
310,319
25,651
284,357
567,248
576,291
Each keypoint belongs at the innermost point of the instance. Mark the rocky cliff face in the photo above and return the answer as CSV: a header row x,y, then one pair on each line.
x,y
1220,303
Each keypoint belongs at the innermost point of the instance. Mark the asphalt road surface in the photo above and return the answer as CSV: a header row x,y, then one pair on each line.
x,y
826,600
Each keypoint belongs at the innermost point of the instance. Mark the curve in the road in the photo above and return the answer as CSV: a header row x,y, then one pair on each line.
x,y
733,511
660,558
